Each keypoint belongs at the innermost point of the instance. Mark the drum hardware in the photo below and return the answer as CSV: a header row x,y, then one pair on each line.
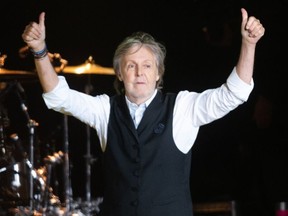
x,y
89,67
67,182
2,139
11,75
24,51
41,200
54,209
55,158
45,202
20,154
14,183
2,59
22,186
4,122
5,149
31,126
57,59
49,161
88,208
14,178
89,159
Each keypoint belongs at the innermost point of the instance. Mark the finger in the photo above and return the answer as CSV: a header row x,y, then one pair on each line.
x,y
33,30
42,20
244,18
27,37
254,24
257,29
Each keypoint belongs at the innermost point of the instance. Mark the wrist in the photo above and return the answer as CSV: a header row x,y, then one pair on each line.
x,y
39,53
37,48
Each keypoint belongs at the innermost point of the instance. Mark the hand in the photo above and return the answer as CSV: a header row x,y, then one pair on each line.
x,y
251,29
34,34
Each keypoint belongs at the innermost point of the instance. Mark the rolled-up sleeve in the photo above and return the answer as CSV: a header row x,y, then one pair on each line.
x,y
193,109
54,98
92,110
241,89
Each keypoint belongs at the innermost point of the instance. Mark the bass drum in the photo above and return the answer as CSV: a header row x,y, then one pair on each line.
x,y
15,185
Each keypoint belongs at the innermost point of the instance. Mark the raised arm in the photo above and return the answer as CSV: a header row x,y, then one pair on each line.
x,y
34,37
251,31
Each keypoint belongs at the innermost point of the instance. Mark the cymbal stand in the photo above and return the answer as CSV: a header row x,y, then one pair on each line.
x,y
89,159
31,125
67,183
2,136
68,189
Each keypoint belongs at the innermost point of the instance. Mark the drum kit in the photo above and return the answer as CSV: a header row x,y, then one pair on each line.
x,y
24,188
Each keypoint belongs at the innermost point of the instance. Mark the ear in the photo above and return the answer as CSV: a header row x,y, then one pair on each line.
x,y
158,76
119,76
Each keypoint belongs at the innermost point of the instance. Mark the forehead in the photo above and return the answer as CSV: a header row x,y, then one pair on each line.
x,y
140,52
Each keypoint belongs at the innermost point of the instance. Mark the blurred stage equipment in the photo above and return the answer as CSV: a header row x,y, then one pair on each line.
x,y
21,185
32,124
25,188
2,59
10,75
89,67
24,52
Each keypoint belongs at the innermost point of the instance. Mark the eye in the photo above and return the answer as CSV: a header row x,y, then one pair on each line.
x,y
130,66
147,66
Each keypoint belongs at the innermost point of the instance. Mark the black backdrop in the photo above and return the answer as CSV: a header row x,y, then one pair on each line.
x,y
233,158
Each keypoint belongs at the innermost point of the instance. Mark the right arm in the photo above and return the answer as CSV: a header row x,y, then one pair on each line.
x,y
34,37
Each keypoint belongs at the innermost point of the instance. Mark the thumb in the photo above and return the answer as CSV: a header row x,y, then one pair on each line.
x,y
244,18
42,20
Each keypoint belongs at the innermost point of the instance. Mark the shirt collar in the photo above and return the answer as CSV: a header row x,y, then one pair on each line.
x,y
146,103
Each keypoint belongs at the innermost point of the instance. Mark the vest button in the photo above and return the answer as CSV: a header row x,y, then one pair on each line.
x,y
137,160
134,189
134,203
136,173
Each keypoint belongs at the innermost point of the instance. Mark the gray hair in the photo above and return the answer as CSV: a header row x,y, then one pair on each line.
x,y
139,39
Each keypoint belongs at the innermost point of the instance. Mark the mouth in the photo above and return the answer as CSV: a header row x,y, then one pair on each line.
x,y
139,82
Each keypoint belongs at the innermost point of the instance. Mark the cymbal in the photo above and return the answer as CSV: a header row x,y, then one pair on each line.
x,y
89,67
6,75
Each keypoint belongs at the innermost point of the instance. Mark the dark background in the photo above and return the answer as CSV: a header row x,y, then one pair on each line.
x,y
242,156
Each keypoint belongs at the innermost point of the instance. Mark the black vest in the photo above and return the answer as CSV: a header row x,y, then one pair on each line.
x,y
145,173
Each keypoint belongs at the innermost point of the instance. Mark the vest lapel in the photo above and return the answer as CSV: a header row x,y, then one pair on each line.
x,y
125,116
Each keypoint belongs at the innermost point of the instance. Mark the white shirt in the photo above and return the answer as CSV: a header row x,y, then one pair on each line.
x,y
191,110
137,111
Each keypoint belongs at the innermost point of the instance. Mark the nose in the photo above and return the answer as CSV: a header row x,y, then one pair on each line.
x,y
139,71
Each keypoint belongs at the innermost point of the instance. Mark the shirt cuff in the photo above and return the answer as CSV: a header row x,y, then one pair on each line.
x,y
238,86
